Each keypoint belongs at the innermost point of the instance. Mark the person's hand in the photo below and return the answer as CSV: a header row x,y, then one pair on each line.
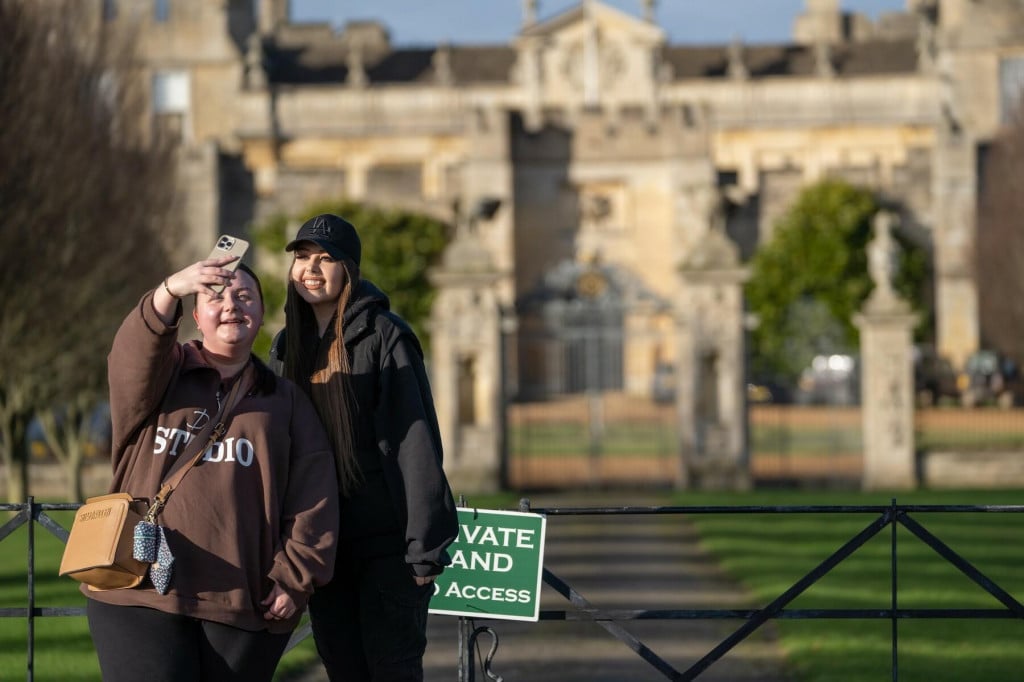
x,y
422,580
279,605
198,278
194,279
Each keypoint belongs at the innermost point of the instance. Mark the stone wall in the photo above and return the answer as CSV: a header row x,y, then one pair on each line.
x,y
966,470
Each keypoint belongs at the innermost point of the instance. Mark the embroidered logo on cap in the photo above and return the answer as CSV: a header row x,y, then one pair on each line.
x,y
321,228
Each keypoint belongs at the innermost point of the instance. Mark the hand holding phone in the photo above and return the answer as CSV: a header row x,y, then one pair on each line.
x,y
228,246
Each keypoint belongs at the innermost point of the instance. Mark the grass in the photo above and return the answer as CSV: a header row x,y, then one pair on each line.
x,y
63,648
766,552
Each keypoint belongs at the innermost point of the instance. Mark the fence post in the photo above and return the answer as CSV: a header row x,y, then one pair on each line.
x,y
32,512
465,668
465,655
895,603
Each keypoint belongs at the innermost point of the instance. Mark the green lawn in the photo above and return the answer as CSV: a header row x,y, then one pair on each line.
x,y
63,648
770,552
767,552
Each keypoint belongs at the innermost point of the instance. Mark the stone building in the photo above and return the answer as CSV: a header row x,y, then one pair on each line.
x,y
612,157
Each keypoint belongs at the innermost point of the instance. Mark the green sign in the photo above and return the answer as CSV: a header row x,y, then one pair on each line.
x,y
497,562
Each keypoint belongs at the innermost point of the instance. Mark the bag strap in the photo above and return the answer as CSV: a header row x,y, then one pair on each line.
x,y
214,431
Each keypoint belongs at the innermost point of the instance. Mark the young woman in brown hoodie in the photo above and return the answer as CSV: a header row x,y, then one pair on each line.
x,y
252,527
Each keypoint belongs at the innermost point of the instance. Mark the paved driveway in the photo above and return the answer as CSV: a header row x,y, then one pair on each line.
x,y
621,563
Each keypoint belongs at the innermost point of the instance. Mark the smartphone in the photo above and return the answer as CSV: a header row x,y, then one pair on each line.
x,y
228,246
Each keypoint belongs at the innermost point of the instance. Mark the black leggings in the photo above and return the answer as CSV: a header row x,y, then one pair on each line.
x,y
370,622
137,644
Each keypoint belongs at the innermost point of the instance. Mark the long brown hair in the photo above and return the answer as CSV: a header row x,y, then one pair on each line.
x,y
325,379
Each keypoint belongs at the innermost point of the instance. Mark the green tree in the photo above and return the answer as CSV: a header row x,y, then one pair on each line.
x,y
399,247
810,280
85,197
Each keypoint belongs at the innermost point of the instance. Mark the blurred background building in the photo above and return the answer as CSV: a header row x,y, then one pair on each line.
x,y
604,157
604,143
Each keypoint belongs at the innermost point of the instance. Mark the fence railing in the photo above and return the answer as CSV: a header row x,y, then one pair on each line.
x,y
885,516
888,516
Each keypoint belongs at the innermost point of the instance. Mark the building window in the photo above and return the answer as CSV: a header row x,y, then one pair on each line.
x,y
171,104
1011,86
170,92
109,10
161,10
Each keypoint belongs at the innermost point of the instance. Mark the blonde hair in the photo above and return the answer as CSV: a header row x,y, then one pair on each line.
x,y
327,380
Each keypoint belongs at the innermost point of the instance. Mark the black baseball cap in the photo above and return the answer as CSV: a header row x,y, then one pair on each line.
x,y
333,234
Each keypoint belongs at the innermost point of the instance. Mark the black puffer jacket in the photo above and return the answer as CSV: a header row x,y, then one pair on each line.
x,y
403,503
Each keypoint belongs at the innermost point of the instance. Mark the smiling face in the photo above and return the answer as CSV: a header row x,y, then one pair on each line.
x,y
229,322
318,278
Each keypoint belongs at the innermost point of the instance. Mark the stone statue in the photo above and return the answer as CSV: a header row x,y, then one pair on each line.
x,y
823,66
529,12
255,76
649,11
883,257
442,63
356,69
926,45
737,69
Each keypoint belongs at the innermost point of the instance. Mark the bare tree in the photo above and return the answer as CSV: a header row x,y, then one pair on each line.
x,y
1000,243
84,198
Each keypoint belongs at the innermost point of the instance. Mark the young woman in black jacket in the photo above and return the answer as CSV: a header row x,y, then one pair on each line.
x,y
363,367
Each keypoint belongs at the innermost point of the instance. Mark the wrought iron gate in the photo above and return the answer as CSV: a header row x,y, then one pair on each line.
x,y
577,411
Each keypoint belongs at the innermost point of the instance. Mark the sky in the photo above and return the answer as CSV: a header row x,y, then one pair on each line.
x,y
430,22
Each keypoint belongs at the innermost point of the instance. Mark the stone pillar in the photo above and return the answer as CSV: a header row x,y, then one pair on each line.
x,y
711,368
887,382
954,186
466,354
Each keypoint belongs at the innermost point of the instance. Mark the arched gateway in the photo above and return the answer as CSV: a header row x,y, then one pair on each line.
x,y
583,366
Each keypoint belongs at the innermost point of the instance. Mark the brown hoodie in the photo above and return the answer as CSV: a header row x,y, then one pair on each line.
x,y
260,508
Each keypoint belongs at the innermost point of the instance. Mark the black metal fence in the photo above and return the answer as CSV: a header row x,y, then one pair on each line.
x,y
889,516
885,516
